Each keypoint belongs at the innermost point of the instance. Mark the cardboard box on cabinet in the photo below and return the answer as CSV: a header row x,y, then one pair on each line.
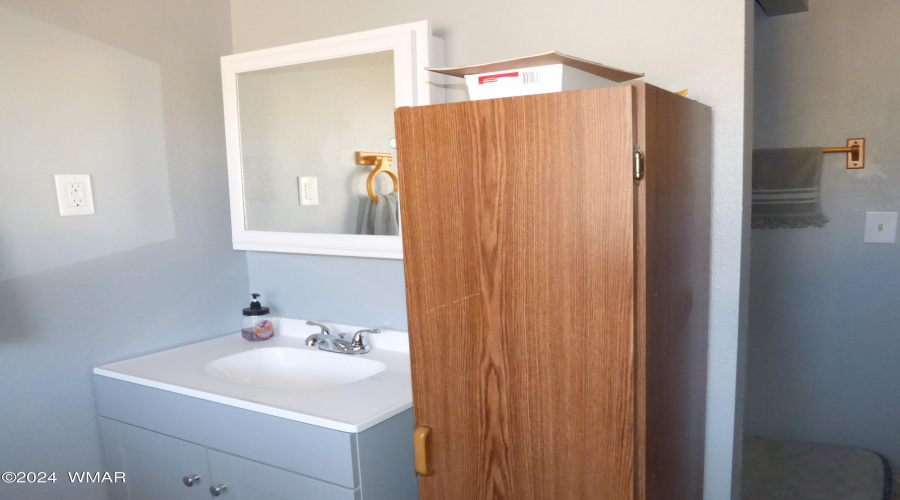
x,y
537,74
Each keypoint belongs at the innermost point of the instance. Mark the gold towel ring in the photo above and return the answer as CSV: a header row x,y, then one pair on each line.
x,y
382,162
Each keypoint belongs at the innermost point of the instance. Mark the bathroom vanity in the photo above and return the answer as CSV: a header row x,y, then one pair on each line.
x,y
231,418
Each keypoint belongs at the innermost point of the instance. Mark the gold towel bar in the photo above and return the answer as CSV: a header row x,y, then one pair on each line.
x,y
856,152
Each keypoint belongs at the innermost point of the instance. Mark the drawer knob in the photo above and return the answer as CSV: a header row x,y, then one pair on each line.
x,y
190,480
217,490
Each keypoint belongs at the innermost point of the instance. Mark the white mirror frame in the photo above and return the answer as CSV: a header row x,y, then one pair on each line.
x,y
414,49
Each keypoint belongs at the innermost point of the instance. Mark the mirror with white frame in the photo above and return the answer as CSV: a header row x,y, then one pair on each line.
x,y
295,117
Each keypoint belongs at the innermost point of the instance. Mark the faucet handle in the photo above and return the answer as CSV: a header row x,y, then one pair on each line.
x,y
325,329
358,338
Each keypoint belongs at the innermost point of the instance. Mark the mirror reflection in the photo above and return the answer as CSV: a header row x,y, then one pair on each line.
x,y
300,128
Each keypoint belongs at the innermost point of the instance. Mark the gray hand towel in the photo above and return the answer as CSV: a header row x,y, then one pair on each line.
x,y
786,188
382,217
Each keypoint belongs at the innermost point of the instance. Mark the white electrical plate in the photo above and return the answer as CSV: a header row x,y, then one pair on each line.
x,y
74,194
881,227
309,191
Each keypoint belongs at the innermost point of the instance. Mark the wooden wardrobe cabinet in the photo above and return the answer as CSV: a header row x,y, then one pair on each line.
x,y
557,290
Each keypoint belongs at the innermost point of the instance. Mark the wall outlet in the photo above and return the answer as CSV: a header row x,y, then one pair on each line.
x,y
74,194
309,191
881,227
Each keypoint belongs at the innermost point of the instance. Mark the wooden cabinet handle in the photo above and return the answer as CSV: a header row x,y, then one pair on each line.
x,y
420,444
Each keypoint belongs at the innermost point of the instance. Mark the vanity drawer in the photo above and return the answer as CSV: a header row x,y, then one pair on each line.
x,y
313,451
248,480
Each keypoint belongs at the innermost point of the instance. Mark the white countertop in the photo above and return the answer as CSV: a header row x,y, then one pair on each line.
x,y
349,408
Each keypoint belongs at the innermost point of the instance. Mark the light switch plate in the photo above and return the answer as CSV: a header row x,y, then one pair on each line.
x,y
74,194
881,227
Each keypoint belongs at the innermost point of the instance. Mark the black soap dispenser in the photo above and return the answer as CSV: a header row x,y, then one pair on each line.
x,y
257,324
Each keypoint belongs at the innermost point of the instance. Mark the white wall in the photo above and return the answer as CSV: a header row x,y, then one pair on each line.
x,y
698,44
129,92
824,343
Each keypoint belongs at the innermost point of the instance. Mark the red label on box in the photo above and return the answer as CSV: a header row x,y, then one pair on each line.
x,y
495,78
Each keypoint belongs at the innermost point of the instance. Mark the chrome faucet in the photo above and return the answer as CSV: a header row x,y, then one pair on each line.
x,y
322,336
358,343
326,331
327,341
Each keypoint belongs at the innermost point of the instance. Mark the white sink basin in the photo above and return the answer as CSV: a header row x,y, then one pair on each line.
x,y
284,377
288,368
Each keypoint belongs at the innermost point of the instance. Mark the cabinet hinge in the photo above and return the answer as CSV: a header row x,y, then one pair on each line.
x,y
638,165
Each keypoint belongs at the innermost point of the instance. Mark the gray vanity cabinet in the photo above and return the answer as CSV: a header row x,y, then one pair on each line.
x,y
157,467
157,438
154,464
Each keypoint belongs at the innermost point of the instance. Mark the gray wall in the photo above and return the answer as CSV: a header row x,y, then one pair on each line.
x,y
130,93
824,343
698,44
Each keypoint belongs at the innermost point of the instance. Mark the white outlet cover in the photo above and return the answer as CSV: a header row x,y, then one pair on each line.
x,y
66,207
309,191
881,227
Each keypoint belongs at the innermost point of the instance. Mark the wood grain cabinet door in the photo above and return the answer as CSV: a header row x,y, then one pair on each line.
x,y
519,256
